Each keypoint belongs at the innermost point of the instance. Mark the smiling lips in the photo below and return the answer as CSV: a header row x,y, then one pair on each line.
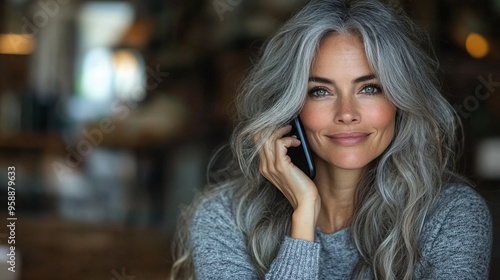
x,y
349,139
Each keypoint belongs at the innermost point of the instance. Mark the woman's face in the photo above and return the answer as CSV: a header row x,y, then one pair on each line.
x,y
348,120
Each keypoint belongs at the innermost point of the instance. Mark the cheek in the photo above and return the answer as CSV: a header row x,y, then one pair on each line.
x,y
383,119
382,116
314,117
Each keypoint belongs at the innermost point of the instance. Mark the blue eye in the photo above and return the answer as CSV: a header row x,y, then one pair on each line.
x,y
318,92
371,89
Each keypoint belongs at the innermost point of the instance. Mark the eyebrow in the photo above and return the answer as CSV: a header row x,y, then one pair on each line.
x,y
331,82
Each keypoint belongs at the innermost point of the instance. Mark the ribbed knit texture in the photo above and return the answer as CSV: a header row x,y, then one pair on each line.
x,y
455,244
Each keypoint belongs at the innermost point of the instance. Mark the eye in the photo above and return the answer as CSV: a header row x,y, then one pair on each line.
x,y
371,89
318,92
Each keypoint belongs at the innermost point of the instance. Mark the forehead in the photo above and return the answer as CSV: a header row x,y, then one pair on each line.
x,y
342,52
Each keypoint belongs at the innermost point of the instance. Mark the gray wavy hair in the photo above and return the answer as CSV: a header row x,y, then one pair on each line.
x,y
400,187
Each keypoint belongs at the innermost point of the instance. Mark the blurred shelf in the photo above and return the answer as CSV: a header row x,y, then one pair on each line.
x,y
57,249
31,140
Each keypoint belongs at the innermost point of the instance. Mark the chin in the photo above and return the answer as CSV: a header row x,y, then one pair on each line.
x,y
352,161
346,164
351,166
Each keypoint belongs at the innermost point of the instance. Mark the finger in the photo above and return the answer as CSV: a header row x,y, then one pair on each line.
x,y
278,133
276,147
267,145
257,137
273,150
282,131
277,136
287,142
282,145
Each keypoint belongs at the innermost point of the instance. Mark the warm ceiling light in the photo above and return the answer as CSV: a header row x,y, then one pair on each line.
x,y
477,46
20,44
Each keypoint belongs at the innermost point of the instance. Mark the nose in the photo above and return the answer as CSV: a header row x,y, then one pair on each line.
x,y
347,111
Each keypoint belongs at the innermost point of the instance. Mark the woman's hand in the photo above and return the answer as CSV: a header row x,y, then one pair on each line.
x,y
277,167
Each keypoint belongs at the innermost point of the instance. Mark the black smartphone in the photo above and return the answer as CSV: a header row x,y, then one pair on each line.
x,y
301,156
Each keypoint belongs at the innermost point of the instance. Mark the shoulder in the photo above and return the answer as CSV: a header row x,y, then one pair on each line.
x,y
460,196
218,245
460,210
213,208
457,236
213,223
459,191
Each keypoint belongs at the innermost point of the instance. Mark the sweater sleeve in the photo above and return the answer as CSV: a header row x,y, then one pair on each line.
x,y
297,259
459,237
219,249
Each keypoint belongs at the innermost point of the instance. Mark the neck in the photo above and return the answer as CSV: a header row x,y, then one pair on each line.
x,y
337,188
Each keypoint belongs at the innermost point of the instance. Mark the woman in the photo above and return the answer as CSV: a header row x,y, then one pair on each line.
x,y
386,202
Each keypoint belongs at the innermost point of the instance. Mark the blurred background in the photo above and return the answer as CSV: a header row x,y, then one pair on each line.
x,y
110,110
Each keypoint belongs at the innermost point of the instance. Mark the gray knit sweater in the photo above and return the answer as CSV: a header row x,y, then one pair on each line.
x,y
455,244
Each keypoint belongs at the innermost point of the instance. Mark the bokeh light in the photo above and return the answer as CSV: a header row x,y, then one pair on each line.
x,y
477,45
